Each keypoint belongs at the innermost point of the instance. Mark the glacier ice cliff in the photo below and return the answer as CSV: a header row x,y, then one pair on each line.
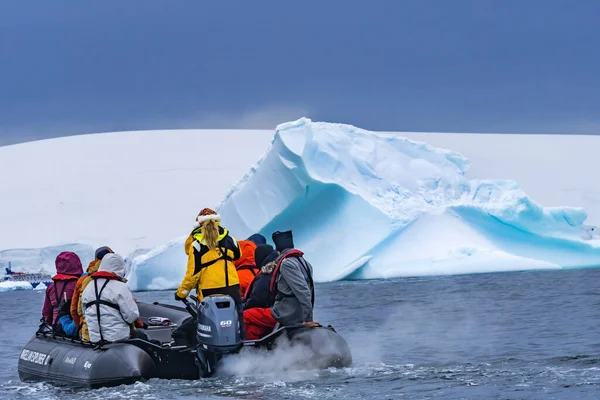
x,y
366,205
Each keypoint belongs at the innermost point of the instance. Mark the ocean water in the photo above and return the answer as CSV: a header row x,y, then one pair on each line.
x,y
526,335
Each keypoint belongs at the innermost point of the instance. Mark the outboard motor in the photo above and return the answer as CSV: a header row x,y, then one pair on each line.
x,y
218,331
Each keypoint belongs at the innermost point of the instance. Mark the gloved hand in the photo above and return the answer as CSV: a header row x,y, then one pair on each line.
x,y
139,324
311,324
177,298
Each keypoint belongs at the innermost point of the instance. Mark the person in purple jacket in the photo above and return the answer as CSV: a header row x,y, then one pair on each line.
x,y
60,291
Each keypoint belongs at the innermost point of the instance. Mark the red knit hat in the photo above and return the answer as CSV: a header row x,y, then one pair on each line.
x,y
206,215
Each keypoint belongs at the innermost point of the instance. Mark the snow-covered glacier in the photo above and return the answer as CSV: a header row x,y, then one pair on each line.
x,y
368,205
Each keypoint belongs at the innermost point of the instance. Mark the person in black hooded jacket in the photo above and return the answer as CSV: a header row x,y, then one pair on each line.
x,y
258,299
258,294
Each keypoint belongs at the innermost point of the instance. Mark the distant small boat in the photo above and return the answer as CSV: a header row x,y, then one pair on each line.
x,y
34,279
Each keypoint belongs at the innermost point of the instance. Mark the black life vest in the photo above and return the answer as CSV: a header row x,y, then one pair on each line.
x,y
59,296
98,302
225,242
250,267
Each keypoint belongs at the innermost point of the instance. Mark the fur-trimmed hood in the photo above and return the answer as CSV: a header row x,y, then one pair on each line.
x,y
268,267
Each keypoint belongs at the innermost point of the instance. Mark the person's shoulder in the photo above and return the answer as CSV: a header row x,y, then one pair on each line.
x,y
116,288
196,247
71,285
225,233
49,288
228,239
289,262
294,261
117,284
290,255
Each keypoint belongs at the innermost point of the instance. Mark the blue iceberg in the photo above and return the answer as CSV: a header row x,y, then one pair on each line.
x,y
366,205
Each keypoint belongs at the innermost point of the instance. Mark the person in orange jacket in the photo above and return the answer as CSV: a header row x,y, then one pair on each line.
x,y
246,266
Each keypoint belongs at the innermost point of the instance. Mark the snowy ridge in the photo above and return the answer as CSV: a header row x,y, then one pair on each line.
x,y
368,205
131,191
506,201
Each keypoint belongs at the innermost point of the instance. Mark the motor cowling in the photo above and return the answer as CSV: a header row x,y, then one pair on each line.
x,y
218,328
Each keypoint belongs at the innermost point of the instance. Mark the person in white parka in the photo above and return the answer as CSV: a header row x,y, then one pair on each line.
x,y
110,309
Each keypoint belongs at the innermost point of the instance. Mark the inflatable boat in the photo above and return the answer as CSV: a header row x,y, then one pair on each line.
x,y
64,361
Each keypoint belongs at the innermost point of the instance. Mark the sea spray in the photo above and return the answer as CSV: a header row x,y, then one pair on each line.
x,y
290,360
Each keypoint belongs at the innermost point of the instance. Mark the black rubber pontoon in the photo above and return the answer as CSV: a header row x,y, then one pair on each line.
x,y
64,361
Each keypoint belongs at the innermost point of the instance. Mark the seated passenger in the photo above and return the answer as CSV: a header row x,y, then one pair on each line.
x,y
77,312
258,295
258,320
245,265
68,270
110,310
292,284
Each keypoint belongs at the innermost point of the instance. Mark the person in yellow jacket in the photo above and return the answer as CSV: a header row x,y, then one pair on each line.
x,y
210,269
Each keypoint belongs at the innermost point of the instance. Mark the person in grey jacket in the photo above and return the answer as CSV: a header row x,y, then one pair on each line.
x,y
292,284
109,307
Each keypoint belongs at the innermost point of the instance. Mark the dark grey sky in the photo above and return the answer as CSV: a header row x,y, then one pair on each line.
x,y
70,67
